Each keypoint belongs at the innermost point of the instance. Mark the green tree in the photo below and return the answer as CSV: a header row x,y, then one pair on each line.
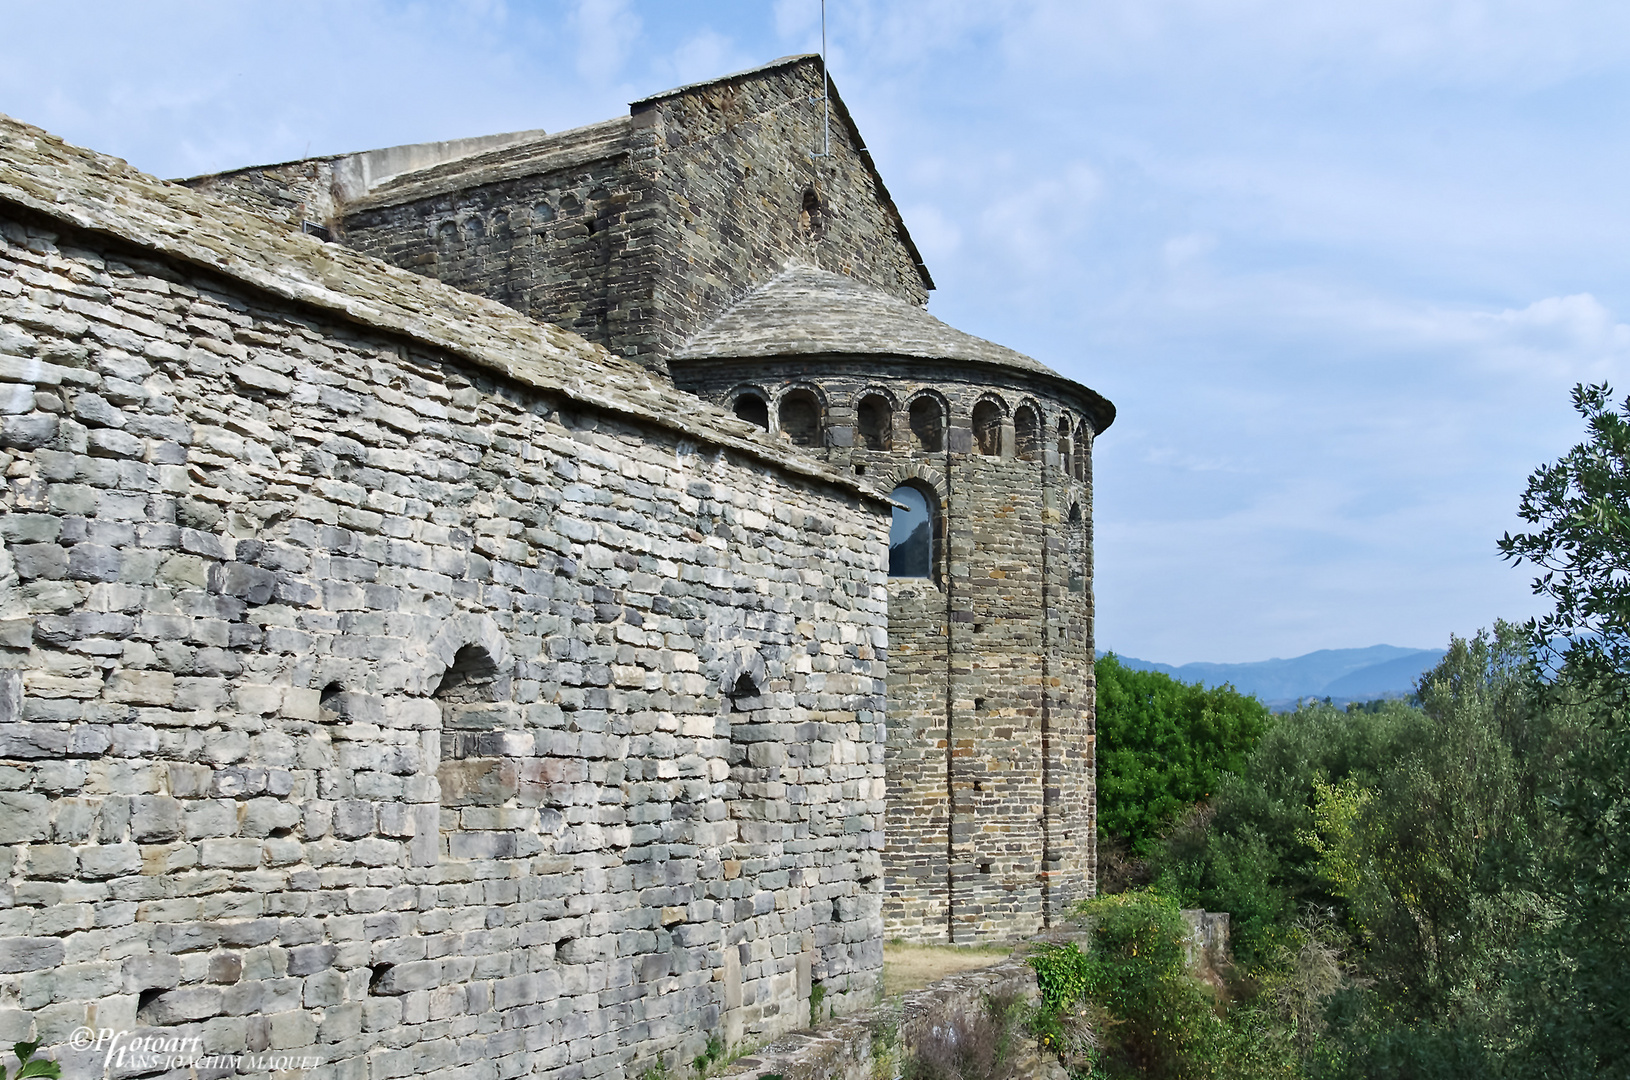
x,y
1162,747
1578,973
1581,545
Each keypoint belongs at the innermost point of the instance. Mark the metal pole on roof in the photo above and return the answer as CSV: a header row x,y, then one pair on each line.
x,y
826,88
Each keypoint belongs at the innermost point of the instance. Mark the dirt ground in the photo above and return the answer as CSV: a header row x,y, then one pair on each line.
x,y
911,967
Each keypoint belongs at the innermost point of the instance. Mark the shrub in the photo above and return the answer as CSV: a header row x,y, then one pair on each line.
x,y
1163,744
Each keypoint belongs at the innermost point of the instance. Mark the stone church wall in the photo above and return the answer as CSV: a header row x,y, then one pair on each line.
x,y
360,702
991,751
636,233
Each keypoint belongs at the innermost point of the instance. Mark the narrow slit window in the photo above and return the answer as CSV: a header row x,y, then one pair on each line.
x,y
927,426
801,418
1027,430
987,428
874,422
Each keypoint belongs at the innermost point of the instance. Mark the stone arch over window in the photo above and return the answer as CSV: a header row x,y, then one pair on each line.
x,y
916,532
1083,439
1027,432
751,404
927,418
874,421
799,416
988,414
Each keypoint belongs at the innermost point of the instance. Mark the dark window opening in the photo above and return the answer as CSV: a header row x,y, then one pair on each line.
x,y
800,418
471,677
1064,443
331,703
1027,433
1081,442
744,695
927,426
812,215
753,409
987,428
469,693
874,422
911,535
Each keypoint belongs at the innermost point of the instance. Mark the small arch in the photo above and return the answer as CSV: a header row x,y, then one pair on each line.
x,y
331,703
799,417
1064,443
812,215
1082,441
874,422
745,694
914,533
470,693
753,407
987,427
1027,432
471,677
927,418
1075,549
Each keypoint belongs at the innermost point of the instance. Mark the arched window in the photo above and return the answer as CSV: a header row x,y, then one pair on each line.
x,y
753,409
800,418
1064,443
874,422
1081,443
1027,433
1075,549
927,425
987,428
812,215
468,692
911,534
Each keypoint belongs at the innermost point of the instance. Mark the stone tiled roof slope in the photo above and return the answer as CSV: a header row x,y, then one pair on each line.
x,y
806,310
104,194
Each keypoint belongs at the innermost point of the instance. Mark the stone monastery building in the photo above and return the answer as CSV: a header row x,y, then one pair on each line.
x,y
518,606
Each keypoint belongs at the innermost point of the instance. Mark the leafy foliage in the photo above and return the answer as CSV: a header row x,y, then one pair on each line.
x,y
1163,745
29,1065
1581,504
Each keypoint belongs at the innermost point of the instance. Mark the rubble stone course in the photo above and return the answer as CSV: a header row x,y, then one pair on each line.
x,y
372,693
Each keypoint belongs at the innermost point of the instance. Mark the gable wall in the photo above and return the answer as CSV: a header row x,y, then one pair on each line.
x,y
734,160
639,250
219,504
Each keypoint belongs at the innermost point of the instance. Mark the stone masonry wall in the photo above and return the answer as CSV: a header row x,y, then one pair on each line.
x,y
645,237
562,246
991,749
357,702
747,197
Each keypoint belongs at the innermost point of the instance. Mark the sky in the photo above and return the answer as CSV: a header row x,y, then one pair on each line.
x,y
1337,265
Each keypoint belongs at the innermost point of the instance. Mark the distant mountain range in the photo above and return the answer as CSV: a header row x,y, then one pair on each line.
x,y
1342,675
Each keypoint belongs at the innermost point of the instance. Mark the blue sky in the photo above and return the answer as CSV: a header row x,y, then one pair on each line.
x,y
1337,264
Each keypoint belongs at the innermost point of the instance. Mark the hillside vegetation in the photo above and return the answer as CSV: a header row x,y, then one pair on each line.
x,y
1438,888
